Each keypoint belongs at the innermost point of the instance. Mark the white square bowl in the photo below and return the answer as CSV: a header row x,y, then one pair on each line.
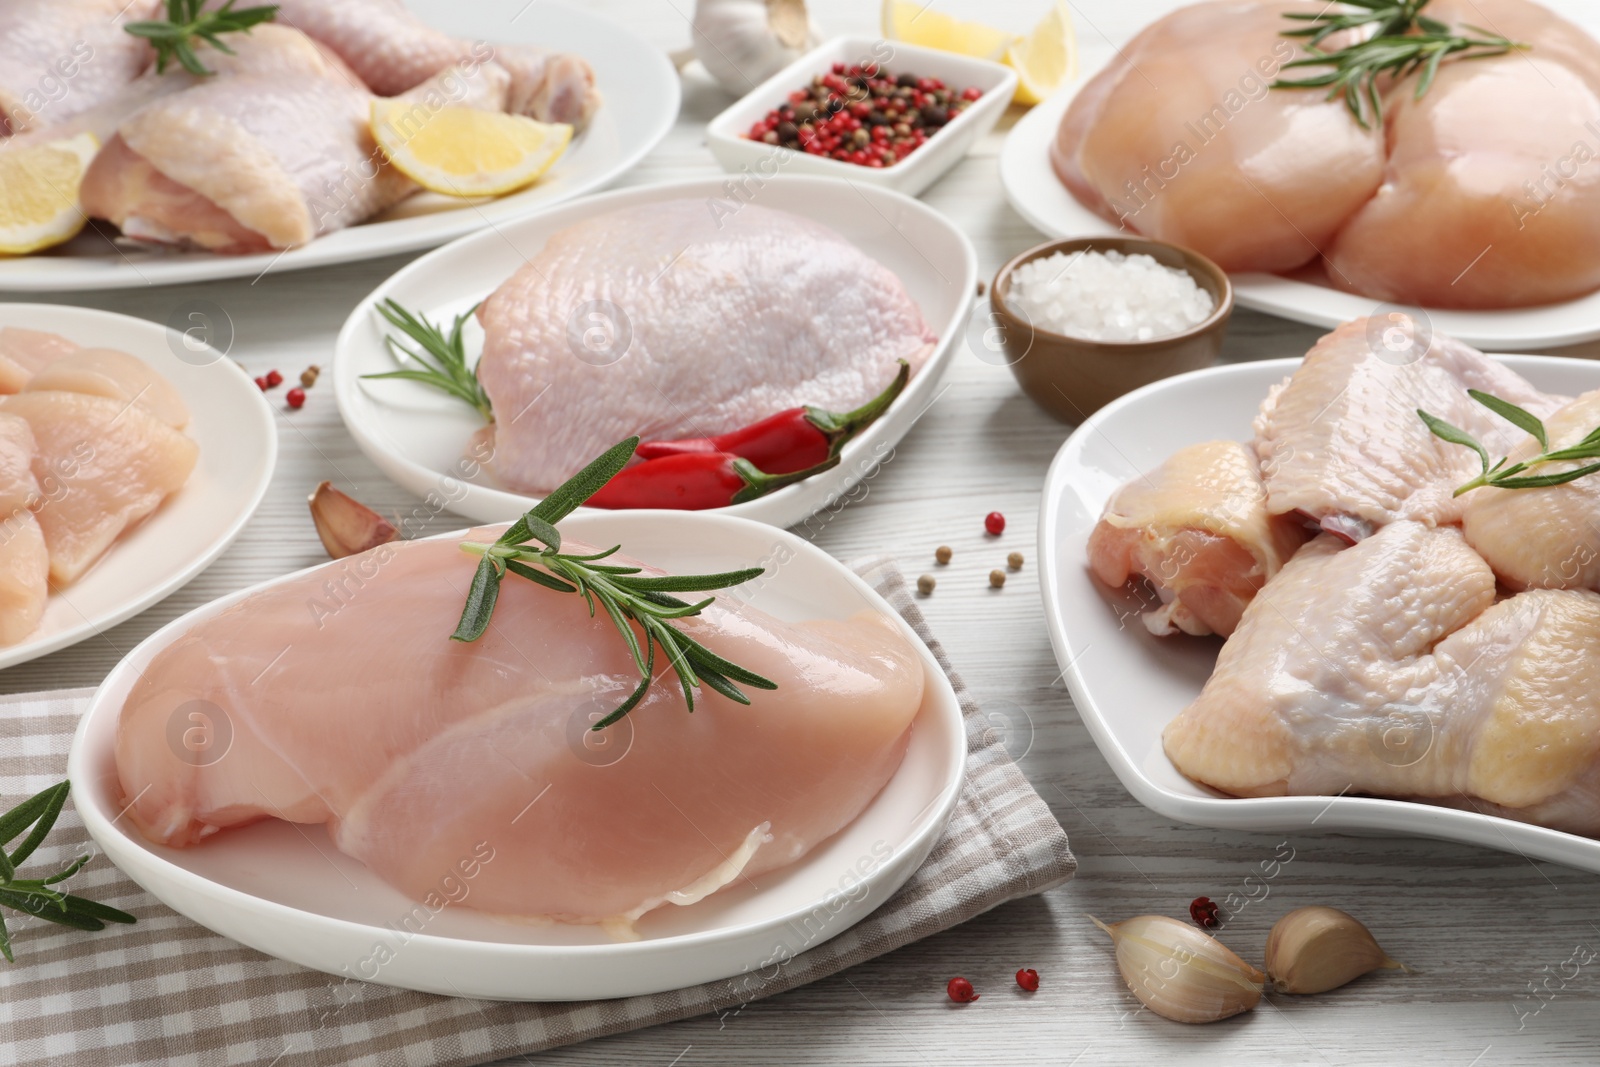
x,y
912,174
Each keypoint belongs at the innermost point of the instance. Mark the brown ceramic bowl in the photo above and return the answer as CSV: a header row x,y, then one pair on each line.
x,y
1071,377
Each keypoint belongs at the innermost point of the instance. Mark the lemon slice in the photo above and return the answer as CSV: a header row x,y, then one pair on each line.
x,y
39,193
461,151
1047,58
913,22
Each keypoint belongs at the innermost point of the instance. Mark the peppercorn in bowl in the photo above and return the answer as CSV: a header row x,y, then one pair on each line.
x,y
865,109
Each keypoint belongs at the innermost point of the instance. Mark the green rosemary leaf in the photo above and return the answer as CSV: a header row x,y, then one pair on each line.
x,y
703,657
667,639
645,681
481,597
570,495
610,568
689,583
441,358
1539,481
1581,450
542,532
174,37
629,638
613,550
24,815
1524,420
1455,436
721,685
5,941
61,876
42,907
55,797
544,578
93,909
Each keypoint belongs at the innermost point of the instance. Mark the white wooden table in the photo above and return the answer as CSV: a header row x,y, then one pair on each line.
x,y
1485,929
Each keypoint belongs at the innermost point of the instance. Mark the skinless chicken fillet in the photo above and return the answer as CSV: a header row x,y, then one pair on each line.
x,y
1341,443
349,706
683,318
1386,668
1197,529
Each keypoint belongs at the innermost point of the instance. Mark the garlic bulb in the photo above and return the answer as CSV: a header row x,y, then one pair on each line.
x,y
1181,972
744,42
1313,950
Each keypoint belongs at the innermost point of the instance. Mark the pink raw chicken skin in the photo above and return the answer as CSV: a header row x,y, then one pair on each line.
x,y
61,57
684,318
348,705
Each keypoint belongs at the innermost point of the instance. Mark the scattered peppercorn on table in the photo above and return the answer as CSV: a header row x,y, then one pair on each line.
x,y
1491,937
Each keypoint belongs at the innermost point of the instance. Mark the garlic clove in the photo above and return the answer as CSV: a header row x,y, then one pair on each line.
x,y
742,43
1315,949
1180,972
346,525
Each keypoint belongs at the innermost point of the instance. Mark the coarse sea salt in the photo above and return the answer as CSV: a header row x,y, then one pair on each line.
x,y
1108,296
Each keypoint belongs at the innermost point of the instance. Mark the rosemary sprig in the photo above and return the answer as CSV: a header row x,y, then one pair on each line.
x,y
175,36
1402,41
626,594
1502,476
442,359
34,896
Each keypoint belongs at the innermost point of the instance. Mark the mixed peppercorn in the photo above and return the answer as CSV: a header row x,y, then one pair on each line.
x,y
862,114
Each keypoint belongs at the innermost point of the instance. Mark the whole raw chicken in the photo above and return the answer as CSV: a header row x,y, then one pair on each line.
x,y
683,318
348,705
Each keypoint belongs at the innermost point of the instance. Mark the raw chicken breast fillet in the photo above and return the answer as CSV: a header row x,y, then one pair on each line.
x,y
24,353
1491,194
117,376
683,318
1180,139
348,705
1549,537
24,560
1197,529
1386,668
61,57
1341,442
102,466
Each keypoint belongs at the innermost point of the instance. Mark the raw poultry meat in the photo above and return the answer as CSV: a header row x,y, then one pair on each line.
x,y
23,353
1491,196
1179,138
102,465
269,153
1386,668
1543,538
1341,443
1482,194
349,706
392,50
683,318
24,560
61,57
1197,529
117,376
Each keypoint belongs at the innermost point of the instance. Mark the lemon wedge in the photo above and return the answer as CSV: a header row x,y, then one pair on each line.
x,y
1047,58
914,22
460,151
39,193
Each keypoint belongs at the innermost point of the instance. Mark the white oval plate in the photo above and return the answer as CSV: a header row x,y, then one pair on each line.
x,y
1038,196
1128,684
286,891
641,91
418,436
233,425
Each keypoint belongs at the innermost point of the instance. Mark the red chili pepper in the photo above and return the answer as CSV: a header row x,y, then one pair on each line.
x,y
792,440
694,481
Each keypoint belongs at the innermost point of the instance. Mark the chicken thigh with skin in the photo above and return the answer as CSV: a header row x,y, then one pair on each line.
x,y
1386,668
1341,442
349,705
1197,529
59,58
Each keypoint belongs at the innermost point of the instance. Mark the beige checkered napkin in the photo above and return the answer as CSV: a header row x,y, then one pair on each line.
x,y
166,991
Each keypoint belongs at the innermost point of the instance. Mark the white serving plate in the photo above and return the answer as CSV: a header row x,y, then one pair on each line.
x,y
286,891
912,174
233,425
1038,196
641,91
1128,684
418,436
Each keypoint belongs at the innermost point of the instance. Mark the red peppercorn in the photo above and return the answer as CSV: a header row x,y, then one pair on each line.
x,y
295,397
1028,979
261,383
960,990
274,378
838,68
995,523
971,92
1205,913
